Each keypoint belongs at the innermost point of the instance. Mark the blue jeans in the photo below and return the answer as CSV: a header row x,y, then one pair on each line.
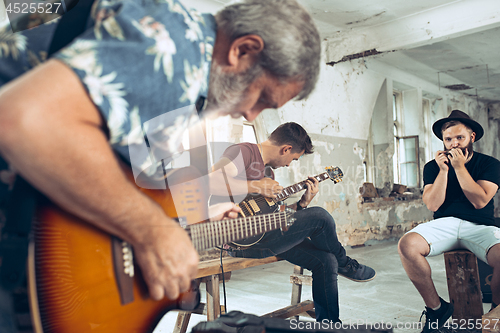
x,y
312,243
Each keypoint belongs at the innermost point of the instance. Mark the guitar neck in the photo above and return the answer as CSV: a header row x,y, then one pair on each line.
x,y
208,235
290,190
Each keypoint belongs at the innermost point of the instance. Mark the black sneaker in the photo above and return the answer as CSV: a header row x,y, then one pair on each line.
x,y
435,319
353,270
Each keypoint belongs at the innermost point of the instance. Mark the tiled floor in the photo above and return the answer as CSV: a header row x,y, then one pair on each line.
x,y
389,298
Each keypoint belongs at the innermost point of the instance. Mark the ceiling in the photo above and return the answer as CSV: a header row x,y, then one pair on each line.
x,y
454,43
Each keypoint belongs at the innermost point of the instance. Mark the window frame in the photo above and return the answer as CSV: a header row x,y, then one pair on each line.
x,y
417,159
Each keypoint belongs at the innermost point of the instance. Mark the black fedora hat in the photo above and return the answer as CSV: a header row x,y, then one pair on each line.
x,y
461,117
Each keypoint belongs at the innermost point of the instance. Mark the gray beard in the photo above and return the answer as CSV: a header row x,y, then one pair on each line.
x,y
226,90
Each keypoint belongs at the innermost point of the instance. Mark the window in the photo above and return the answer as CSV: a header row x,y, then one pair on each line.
x,y
408,166
365,172
396,117
405,159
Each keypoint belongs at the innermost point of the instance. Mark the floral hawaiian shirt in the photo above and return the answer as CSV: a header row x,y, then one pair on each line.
x,y
144,63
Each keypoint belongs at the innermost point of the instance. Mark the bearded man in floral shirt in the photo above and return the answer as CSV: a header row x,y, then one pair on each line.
x,y
135,73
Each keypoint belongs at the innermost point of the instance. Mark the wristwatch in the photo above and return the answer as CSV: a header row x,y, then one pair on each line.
x,y
299,207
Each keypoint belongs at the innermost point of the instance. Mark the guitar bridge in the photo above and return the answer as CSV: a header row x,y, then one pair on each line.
x,y
123,264
128,259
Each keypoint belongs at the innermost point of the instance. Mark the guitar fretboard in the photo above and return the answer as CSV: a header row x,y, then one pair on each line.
x,y
208,235
288,191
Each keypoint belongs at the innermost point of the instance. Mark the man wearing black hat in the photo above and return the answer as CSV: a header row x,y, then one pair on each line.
x,y
459,185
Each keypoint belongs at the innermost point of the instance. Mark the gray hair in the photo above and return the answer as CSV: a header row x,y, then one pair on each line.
x,y
292,46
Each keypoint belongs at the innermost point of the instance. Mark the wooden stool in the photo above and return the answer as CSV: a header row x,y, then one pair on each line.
x,y
209,272
296,308
464,287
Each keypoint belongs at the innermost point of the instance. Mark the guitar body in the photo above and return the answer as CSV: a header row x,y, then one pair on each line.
x,y
255,204
74,284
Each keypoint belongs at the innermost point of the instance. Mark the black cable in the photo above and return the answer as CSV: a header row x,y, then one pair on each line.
x,y
223,280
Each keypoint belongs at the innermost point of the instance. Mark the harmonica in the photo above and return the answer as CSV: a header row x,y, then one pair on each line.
x,y
464,151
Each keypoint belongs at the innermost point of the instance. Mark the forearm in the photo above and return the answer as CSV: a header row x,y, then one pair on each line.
x,y
73,165
472,190
435,194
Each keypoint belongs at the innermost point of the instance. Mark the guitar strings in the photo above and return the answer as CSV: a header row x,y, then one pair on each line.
x,y
292,188
204,235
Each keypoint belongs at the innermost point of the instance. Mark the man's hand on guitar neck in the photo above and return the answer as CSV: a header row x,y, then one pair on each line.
x,y
312,185
265,186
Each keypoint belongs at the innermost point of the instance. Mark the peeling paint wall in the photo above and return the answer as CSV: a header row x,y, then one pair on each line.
x,y
357,222
341,104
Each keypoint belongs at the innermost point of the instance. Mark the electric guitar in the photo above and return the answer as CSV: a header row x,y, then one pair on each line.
x,y
81,279
255,204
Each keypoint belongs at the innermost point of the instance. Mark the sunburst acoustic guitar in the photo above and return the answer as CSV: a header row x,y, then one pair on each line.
x,y
82,279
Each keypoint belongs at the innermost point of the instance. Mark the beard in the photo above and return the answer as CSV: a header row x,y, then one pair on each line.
x,y
226,90
465,150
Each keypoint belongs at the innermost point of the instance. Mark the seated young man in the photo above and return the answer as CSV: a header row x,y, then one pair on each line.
x,y
311,242
459,188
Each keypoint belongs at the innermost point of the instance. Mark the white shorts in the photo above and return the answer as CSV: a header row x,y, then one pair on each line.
x,y
451,233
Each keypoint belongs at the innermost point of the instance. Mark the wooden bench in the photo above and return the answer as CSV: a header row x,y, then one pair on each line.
x,y
210,273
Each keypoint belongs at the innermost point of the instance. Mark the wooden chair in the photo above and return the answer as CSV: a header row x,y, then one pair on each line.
x,y
209,272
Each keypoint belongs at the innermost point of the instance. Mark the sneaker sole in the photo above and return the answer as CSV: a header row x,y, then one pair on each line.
x,y
373,277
